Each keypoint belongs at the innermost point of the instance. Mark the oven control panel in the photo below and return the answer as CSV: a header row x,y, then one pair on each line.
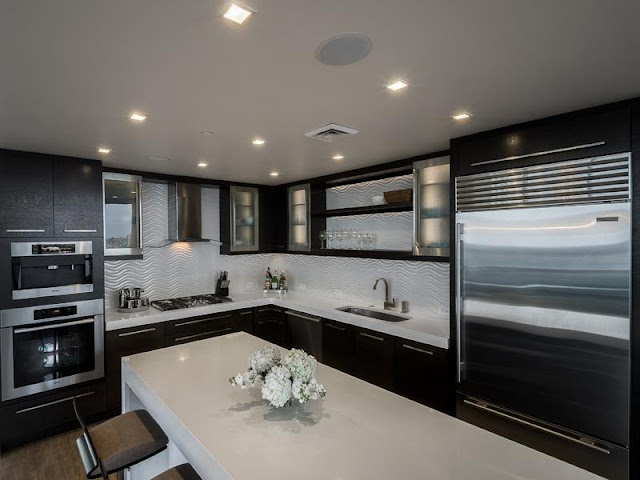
x,y
55,312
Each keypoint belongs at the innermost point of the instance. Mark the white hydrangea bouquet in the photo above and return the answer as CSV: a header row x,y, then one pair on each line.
x,y
283,381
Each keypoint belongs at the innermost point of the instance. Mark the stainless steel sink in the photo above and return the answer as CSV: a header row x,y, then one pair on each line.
x,y
366,312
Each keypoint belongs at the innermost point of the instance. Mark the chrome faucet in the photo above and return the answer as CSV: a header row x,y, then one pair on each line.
x,y
388,305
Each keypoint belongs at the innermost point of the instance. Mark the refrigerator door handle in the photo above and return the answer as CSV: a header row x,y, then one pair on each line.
x,y
586,442
459,263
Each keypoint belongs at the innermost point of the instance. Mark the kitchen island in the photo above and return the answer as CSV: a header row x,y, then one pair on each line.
x,y
359,431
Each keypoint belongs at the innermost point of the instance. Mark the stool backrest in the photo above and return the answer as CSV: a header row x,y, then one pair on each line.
x,y
90,459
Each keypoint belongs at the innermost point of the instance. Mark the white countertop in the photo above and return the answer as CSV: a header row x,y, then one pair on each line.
x,y
423,327
358,432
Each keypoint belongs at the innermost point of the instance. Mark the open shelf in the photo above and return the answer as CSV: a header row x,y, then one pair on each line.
x,y
369,209
380,254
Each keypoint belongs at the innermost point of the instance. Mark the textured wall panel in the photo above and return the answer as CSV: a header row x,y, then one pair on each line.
x,y
359,194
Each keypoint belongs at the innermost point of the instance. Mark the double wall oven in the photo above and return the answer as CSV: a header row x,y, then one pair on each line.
x,y
46,347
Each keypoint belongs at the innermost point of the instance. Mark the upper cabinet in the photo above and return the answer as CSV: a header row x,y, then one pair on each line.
x,y
245,219
572,136
77,197
299,218
431,207
49,196
26,195
122,215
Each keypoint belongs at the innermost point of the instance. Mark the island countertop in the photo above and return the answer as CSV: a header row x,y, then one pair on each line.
x,y
359,431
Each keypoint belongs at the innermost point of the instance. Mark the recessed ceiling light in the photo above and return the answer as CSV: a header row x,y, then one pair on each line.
x,y
461,116
104,150
202,164
338,157
397,85
274,174
236,13
206,132
138,117
258,141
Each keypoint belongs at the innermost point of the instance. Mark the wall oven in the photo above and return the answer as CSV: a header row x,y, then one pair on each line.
x,y
50,346
51,269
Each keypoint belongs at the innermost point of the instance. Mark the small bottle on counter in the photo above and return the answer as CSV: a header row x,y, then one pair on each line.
x,y
282,283
267,279
275,281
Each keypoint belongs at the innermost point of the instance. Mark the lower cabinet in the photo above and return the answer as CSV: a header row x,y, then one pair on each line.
x,y
243,320
121,343
374,357
421,374
270,324
198,328
305,332
30,420
338,346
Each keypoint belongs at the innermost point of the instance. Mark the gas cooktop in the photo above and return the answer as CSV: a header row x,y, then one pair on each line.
x,y
189,302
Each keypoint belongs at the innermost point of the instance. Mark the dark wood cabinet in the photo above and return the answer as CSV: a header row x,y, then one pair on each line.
x,y
198,328
271,325
593,132
338,346
305,332
44,415
243,320
374,357
121,343
77,197
421,374
26,194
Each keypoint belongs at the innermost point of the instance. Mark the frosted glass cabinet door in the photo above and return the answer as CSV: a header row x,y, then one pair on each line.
x,y
299,218
431,207
122,214
245,232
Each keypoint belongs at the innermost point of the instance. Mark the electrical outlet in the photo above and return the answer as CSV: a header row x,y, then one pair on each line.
x,y
302,286
337,292
250,286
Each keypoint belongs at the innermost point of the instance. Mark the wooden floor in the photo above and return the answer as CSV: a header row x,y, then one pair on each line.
x,y
54,458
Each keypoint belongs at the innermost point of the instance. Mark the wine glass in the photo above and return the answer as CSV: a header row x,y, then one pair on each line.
x,y
330,237
323,238
338,236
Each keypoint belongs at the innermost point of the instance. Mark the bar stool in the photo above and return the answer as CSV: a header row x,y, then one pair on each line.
x,y
119,442
181,472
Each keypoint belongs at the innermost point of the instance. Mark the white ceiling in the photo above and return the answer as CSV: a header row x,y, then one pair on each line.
x,y
72,72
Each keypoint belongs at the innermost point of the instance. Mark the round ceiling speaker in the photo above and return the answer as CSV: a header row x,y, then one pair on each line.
x,y
344,49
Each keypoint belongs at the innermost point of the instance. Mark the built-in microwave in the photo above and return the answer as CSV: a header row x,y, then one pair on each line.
x,y
51,269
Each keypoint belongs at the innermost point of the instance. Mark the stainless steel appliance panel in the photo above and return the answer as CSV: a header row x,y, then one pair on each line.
x,y
543,310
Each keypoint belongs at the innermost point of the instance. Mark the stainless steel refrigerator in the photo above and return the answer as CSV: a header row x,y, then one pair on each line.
x,y
543,298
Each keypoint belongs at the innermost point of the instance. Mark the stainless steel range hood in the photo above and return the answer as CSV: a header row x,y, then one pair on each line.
x,y
185,212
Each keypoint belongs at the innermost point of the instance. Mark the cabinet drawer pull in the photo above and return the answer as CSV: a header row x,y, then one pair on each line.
x,y
193,322
246,313
335,327
416,349
305,317
138,332
179,339
269,320
372,337
269,309
540,154
24,230
48,404
90,230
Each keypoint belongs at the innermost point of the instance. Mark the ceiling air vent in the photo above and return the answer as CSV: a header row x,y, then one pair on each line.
x,y
330,132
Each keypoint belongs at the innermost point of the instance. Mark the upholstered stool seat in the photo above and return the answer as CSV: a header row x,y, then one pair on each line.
x,y
181,472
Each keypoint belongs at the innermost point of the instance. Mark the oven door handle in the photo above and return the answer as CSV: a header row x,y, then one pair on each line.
x,y
57,325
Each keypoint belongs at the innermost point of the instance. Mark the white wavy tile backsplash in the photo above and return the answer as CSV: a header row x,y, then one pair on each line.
x,y
192,268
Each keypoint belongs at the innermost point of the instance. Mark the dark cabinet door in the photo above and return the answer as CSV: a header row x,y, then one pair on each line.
x,y
26,195
77,197
45,415
305,333
243,321
567,137
121,343
375,358
422,375
271,325
198,328
338,346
